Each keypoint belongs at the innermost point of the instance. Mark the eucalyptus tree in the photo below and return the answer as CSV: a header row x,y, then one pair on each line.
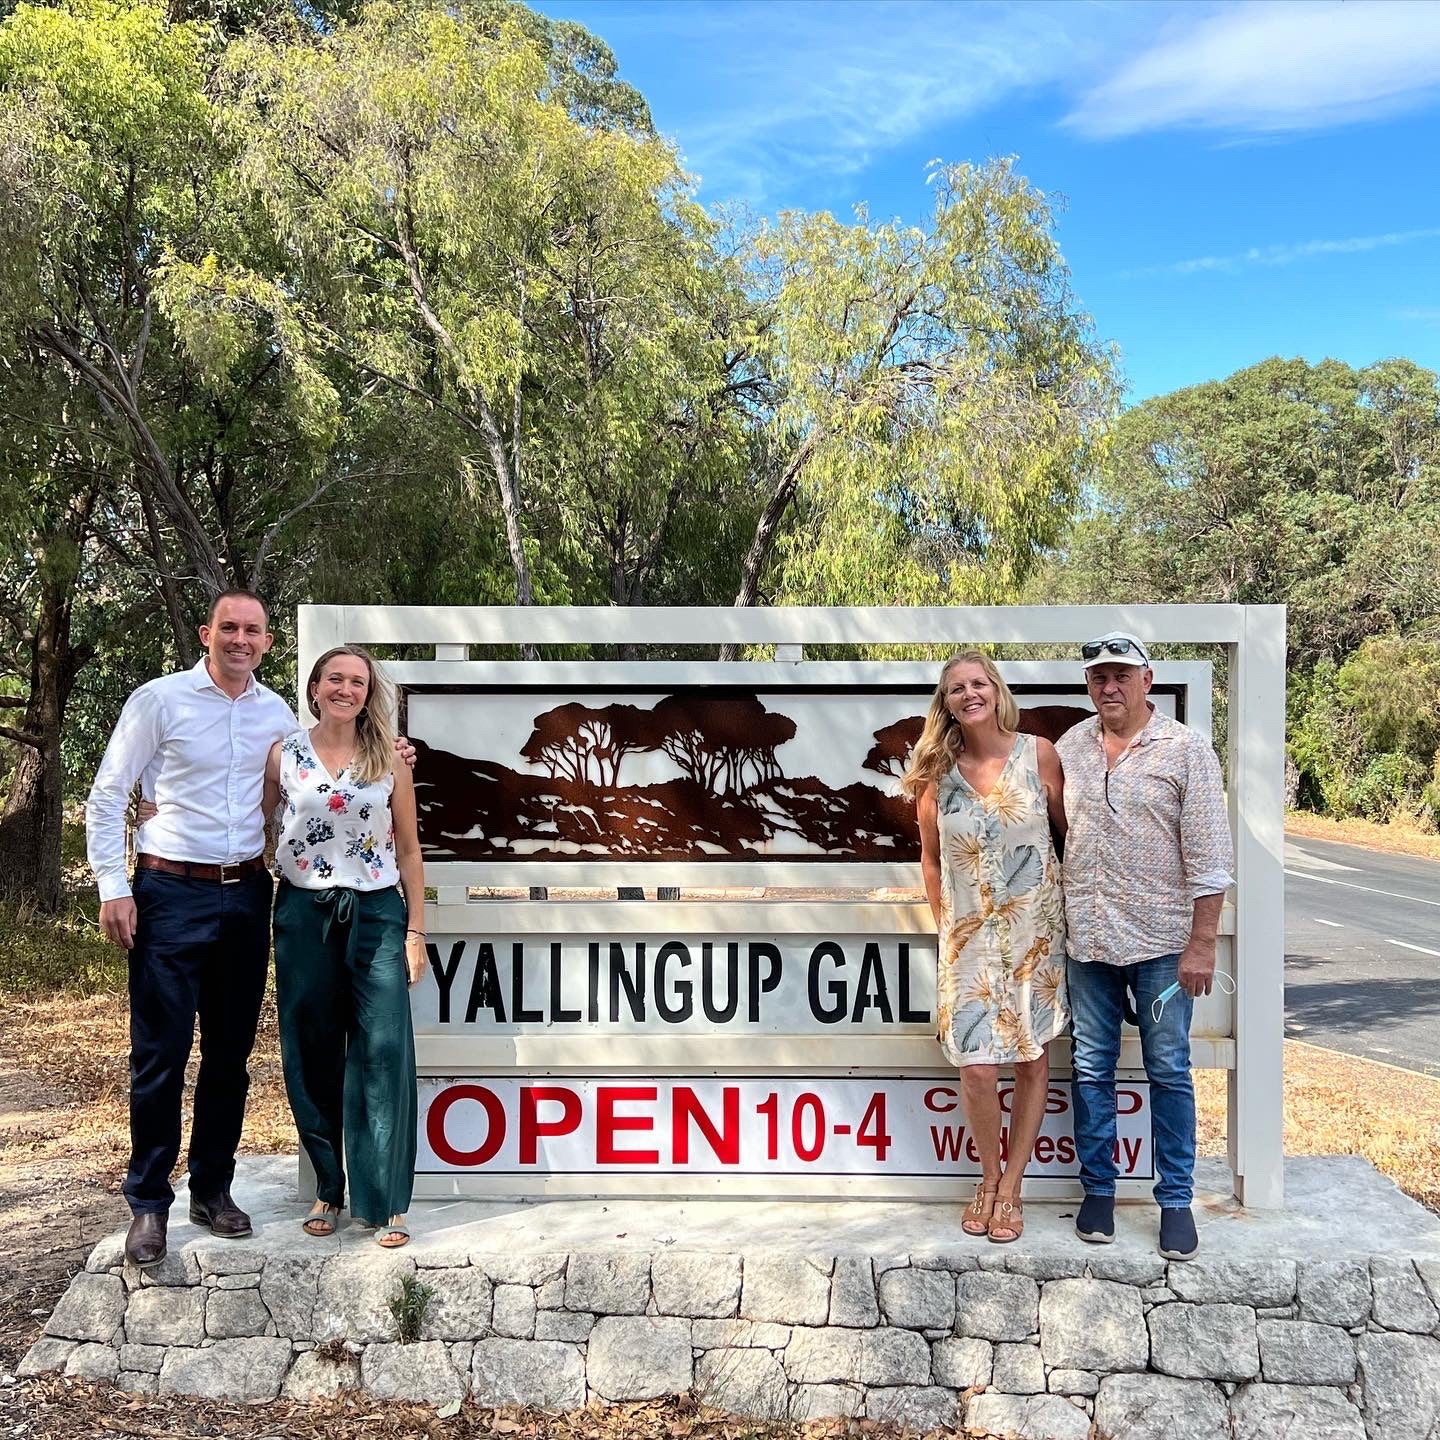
x,y
938,398
464,231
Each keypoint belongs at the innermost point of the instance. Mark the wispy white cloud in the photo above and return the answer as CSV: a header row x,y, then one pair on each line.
x,y
1420,314
1270,68
1283,254
814,90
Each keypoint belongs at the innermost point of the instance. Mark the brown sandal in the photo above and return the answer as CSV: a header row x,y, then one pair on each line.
x,y
977,1212
1006,1215
321,1223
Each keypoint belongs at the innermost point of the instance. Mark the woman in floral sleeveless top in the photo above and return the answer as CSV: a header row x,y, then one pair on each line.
x,y
347,945
987,798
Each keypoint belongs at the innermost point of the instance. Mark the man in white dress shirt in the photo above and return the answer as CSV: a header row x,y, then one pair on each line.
x,y
197,924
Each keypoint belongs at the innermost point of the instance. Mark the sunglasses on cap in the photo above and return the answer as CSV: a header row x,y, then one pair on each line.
x,y
1091,648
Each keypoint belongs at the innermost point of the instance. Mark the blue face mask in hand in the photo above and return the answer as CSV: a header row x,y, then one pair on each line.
x,y
1157,1006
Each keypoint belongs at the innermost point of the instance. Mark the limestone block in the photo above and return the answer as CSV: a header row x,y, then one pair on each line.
x,y
962,1362
315,1376
729,1334
919,1299
1093,1325
108,1255
1401,1300
461,1305
419,1372
852,1293
1429,1273
239,1257
956,1261
92,1362
461,1352
823,1356
994,1306
235,1314
916,1407
894,1357
1299,1352
546,1373
1052,1265
551,1295
572,1325
353,1298
514,1312
608,1284
227,1370
744,1382
1018,1370
1402,1385
640,1357
826,1402
1262,1412
179,1267
1209,1281
146,1358
1036,1417
1204,1342
1125,1267
139,1382
520,1269
1072,1382
166,1316
696,1284
290,1286
789,1289
428,1253
1158,1407
1335,1292
249,1280
90,1309
44,1357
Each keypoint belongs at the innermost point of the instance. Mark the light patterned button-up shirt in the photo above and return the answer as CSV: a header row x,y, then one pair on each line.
x,y
1141,849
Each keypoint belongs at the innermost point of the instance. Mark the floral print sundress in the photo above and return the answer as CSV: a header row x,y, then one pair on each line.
x,y
1001,984
334,830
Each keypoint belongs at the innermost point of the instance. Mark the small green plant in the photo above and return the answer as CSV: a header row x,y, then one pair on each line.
x,y
409,1305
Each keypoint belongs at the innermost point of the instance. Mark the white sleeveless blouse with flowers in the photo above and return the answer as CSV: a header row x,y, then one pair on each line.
x,y
333,830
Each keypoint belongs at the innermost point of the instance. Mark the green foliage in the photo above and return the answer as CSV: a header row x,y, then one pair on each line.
x,y
46,953
409,1306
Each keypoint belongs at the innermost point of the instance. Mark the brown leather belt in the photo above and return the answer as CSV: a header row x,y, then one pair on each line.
x,y
225,874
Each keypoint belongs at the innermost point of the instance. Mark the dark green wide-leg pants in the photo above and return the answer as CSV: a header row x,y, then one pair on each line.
x,y
347,1043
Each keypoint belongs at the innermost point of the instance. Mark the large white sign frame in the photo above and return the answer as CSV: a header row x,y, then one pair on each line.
x,y
1253,638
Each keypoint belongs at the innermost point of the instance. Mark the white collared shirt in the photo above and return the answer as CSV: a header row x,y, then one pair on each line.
x,y
200,756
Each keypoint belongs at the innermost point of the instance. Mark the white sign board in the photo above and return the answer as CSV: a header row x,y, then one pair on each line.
x,y
889,1127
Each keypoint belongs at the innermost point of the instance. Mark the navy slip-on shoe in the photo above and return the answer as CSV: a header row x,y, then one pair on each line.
x,y
1096,1220
1179,1239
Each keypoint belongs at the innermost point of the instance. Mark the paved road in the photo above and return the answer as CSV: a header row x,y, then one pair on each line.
x,y
1362,942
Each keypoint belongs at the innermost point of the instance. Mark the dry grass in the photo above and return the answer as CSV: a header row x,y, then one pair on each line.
x,y
1341,1105
1399,837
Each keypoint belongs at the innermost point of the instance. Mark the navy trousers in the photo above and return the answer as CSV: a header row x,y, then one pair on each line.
x,y
201,948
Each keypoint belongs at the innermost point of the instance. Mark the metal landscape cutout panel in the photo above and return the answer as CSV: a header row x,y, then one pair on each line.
x,y
702,773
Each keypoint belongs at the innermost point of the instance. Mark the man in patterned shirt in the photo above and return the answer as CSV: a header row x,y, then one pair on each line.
x,y
1148,859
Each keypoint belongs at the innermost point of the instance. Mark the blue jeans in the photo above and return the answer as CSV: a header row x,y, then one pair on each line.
x,y
1097,994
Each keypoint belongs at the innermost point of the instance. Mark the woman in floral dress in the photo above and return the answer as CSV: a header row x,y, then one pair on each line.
x,y
987,797
347,945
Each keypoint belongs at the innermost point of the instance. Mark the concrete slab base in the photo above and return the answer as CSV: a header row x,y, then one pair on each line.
x,y
1327,1312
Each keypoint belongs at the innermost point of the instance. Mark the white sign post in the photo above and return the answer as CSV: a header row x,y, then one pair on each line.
x,y
735,1044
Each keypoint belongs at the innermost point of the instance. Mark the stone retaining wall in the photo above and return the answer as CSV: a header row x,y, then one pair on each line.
x,y
1329,1350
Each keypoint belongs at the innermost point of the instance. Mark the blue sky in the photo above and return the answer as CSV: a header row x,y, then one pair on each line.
x,y
1239,180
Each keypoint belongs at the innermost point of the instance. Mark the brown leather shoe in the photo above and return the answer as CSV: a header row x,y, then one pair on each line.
x,y
221,1216
145,1240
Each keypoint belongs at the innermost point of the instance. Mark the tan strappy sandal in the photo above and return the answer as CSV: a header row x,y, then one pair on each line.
x,y
977,1212
1006,1215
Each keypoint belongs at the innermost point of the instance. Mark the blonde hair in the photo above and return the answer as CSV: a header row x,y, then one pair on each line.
x,y
942,740
374,728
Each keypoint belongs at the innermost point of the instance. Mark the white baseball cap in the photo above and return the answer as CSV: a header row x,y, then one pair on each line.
x,y
1119,647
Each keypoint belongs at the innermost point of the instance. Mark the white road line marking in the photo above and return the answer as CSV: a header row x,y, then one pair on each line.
x,y
1333,924
1368,889
1405,945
